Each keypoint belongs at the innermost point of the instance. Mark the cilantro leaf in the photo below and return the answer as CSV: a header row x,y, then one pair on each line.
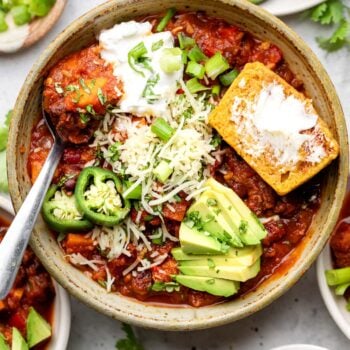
x,y
329,12
130,342
318,11
3,173
4,131
338,39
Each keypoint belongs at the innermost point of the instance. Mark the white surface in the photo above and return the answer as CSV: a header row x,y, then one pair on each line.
x,y
62,309
299,347
336,305
298,317
282,7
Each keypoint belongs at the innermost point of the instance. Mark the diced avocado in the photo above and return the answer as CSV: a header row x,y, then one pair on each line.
x,y
213,221
18,342
256,226
234,273
195,242
234,219
214,286
245,256
38,329
3,344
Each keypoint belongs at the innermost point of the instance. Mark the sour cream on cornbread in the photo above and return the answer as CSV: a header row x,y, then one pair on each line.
x,y
147,88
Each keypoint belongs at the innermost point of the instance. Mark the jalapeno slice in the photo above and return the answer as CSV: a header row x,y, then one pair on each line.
x,y
98,196
61,213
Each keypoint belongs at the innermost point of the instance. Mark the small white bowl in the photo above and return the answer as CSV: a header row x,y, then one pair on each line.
x,y
299,347
336,305
62,310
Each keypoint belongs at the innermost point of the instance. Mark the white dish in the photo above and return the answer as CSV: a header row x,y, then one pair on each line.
x,y
288,7
336,305
62,309
299,347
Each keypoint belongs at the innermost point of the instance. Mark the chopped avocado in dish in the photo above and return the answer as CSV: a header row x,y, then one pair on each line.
x,y
38,329
18,342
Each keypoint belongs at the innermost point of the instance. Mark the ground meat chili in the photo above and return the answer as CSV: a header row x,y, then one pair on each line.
x,y
290,216
33,288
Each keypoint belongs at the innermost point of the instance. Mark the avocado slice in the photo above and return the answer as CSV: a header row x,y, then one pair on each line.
x,y
246,214
18,342
214,221
214,286
38,329
246,256
3,344
195,242
209,269
234,219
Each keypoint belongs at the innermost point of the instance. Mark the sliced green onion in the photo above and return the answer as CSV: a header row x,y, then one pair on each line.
x,y
184,57
215,90
216,65
165,20
21,15
341,289
134,56
197,55
40,8
228,78
338,276
162,171
185,42
193,85
162,129
157,45
136,193
3,25
171,60
195,69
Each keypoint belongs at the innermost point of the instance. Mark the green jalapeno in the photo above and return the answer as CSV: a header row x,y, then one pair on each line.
x,y
61,213
98,196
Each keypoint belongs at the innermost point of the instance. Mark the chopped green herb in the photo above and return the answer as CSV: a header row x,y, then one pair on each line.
x,y
216,140
84,86
101,97
130,342
165,286
85,118
185,42
114,151
193,219
243,227
138,60
157,45
90,109
148,92
72,87
197,55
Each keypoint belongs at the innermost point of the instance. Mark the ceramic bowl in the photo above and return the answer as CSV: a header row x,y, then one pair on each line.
x,y
62,310
336,305
318,86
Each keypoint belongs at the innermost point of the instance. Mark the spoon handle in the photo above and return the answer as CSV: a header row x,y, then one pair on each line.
x,y
16,239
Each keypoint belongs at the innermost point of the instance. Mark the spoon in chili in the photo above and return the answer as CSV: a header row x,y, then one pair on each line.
x,y
17,237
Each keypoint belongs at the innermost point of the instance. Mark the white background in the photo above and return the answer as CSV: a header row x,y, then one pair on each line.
x,y
297,317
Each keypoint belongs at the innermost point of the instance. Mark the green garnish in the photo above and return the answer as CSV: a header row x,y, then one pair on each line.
x,y
216,90
137,58
195,70
40,8
171,60
162,129
166,19
185,42
216,65
197,55
90,109
336,277
148,92
85,118
157,45
130,342
228,78
165,287
3,173
84,86
114,151
3,24
72,87
21,15
194,86
101,97
332,13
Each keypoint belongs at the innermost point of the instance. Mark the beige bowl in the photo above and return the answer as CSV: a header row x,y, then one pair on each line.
x,y
318,85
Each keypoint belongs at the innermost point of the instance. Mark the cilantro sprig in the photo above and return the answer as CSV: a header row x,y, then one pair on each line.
x,y
130,342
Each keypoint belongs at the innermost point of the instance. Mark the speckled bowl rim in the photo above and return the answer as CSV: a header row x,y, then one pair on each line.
x,y
207,319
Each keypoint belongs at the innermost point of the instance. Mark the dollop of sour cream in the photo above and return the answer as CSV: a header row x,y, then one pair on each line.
x,y
14,37
147,89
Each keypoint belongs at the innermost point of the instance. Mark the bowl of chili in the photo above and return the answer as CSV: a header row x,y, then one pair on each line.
x,y
245,35
34,288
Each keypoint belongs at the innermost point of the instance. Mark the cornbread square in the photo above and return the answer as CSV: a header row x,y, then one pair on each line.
x,y
274,128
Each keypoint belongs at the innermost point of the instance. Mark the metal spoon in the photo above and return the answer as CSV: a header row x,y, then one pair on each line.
x,y
16,239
